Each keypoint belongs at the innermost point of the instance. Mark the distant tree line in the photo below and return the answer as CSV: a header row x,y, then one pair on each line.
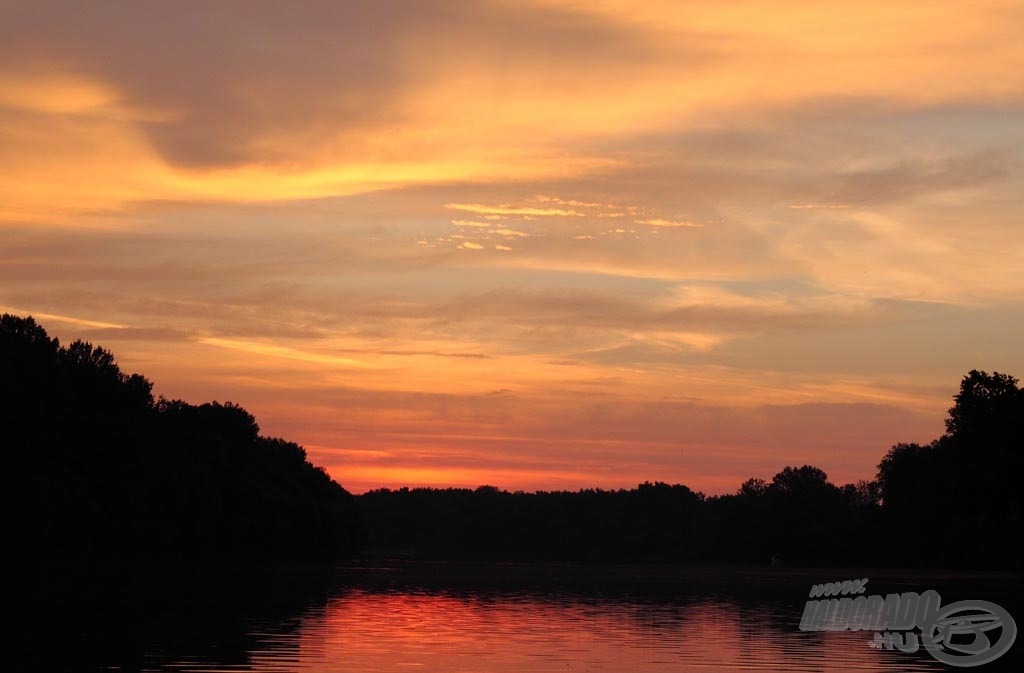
x,y
953,503
95,466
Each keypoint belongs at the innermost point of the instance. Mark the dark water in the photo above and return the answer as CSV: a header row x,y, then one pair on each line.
x,y
449,617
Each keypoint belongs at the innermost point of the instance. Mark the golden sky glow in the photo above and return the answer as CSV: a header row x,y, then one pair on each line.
x,y
536,244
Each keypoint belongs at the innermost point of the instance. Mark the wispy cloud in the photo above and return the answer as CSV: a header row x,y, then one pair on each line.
x,y
659,222
514,210
71,320
283,352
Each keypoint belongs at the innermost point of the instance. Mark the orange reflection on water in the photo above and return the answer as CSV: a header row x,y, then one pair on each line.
x,y
421,631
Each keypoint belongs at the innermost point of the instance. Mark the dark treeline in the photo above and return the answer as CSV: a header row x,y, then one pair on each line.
x,y
953,503
798,516
95,466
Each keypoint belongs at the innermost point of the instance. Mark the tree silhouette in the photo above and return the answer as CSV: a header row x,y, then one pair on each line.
x,y
962,489
989,407
96,466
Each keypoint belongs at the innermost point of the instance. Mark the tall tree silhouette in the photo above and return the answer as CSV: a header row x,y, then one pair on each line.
x,y
96,466
960,495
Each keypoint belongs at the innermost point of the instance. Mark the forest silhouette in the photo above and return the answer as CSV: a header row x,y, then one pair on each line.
x,y
100,468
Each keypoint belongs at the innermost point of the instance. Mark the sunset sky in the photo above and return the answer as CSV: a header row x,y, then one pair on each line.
x,y
536,244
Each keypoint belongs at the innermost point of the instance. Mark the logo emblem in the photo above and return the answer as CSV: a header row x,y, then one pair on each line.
x,y
961,633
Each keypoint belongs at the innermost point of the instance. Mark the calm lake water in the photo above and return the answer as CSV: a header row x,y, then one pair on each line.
x,y
443,617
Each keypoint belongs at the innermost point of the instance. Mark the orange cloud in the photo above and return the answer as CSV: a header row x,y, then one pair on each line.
x,y
744,234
